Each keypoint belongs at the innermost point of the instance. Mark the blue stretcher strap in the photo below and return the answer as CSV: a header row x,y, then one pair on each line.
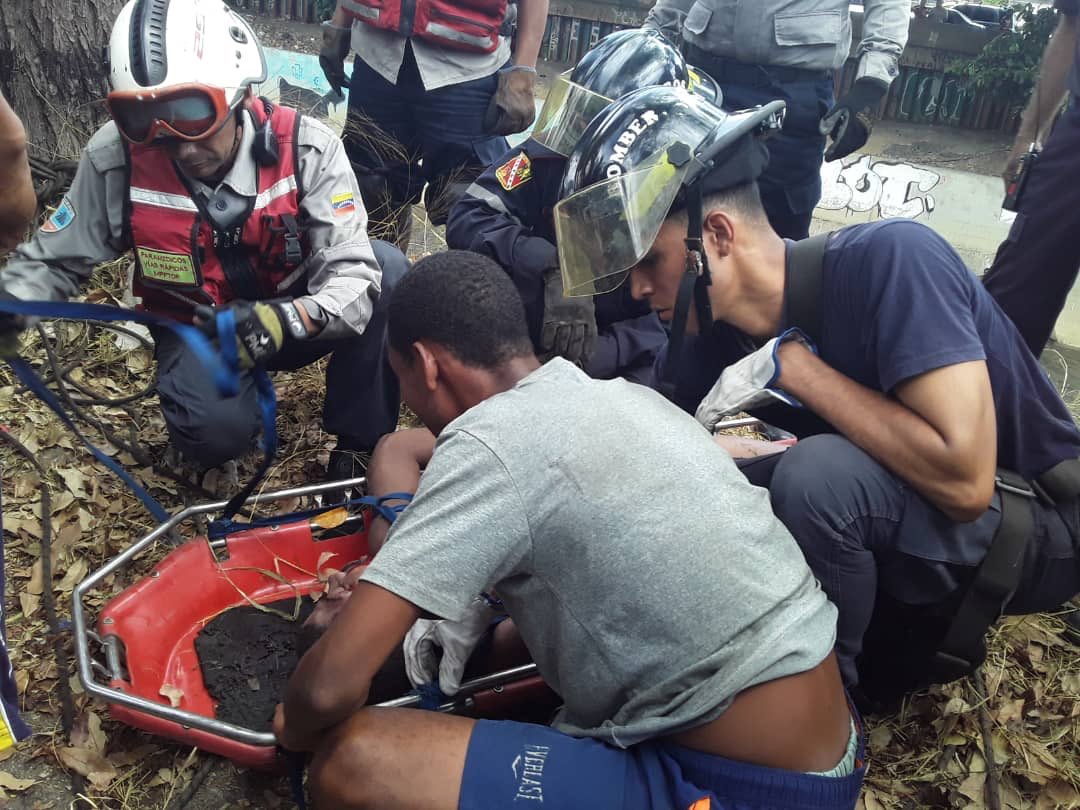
x,y
225,375
294,765
223,528
35,385
224,367
391,513
431,696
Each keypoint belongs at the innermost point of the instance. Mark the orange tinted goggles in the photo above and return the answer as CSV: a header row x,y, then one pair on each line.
x,y
188,112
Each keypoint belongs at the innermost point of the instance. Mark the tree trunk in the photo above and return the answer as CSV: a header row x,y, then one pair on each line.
x,y
52,70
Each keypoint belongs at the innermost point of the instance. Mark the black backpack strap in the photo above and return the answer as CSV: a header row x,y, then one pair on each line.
x,y
803,285
964,646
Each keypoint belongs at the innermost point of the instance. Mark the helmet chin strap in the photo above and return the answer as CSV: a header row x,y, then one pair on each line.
x,y
695,284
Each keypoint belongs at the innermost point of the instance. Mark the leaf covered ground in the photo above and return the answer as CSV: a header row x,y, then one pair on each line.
x,y
934,753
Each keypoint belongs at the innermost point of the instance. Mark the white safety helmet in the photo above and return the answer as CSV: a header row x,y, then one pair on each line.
x,y
177,67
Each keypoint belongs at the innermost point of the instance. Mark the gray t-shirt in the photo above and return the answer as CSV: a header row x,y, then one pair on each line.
x,y
649,580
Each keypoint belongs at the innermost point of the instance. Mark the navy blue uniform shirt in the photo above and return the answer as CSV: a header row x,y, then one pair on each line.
x,y
899,302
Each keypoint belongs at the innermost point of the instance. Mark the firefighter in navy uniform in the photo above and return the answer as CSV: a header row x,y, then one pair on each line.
x,y
506,213
944,487
225,201
435,86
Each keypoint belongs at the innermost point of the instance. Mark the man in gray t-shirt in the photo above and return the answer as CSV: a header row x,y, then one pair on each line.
x,y
653,586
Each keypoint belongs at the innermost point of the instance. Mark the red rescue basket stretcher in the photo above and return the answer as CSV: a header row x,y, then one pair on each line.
x,y
140,658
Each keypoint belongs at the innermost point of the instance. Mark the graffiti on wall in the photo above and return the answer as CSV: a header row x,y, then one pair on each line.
x,y
887,188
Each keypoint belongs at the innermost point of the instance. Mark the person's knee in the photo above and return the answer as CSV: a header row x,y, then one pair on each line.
x,y
818,474
211,435
340,776
392,262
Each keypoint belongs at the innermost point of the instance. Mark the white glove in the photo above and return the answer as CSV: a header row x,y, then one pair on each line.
x,y
749,383
457,640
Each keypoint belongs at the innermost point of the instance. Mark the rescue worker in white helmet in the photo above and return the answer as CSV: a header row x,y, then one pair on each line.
x,y
435,86
225,200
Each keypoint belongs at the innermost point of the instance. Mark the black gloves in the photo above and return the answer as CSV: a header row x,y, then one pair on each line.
x,y
850,120
569,323
335,47
261,328
512,108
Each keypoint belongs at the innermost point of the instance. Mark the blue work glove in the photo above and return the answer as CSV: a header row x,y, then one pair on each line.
x,y
852,117
261,328
750,382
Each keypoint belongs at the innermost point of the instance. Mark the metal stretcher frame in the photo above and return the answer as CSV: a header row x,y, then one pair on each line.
x,y
90,669
97,677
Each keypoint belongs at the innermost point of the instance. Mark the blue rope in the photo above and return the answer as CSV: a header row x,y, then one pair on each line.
x,y
222,528
223,366
431,696
294,765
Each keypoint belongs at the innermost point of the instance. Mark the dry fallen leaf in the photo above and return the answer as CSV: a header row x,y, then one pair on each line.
x,y
91,764
173,693
11,782
331,519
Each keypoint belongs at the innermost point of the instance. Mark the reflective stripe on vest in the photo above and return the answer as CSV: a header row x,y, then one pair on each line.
x,y
473,27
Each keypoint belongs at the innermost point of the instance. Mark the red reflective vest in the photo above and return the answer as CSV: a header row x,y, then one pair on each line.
x,y
177,263
465,25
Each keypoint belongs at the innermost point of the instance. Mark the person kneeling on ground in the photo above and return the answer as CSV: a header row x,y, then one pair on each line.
x,y
943,485
691,644
227,202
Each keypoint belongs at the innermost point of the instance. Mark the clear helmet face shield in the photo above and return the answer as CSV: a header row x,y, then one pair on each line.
x,y
567,110
605,229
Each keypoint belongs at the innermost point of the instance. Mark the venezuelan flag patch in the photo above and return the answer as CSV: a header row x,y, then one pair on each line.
x,y
342,204
514,172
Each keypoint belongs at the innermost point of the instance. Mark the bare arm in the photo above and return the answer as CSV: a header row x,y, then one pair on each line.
x,y
532,17
939,434
1049,88
16,186
333,678
396,465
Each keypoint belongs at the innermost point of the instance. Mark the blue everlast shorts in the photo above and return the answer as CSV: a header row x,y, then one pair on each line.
x,y
512,765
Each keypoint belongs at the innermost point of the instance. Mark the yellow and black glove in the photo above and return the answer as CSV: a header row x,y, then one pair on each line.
x,y
261,328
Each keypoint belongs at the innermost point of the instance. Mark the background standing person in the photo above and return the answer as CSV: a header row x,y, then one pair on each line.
x,y
435,87
1036,265
760,50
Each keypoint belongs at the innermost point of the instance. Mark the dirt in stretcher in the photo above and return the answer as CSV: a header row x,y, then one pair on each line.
x,y
246,657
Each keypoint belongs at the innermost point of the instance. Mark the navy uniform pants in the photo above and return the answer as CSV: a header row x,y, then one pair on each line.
x,y
419,136
1036,265
866,533
362,396
791,184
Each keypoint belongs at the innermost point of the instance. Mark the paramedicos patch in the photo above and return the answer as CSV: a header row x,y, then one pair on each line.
x,y
342,204
514,172
167,268
63,216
